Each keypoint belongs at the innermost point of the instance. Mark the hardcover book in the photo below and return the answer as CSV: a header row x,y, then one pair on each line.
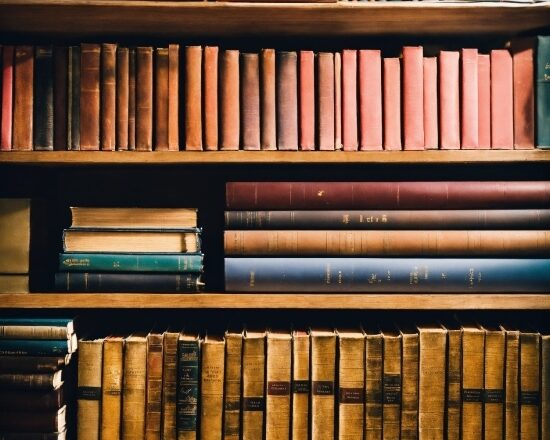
x,y
134,388
325,100
210,99
529,385
89,389
144,99
193,98
108,96
473,368
187,395
250,101
307,100
169,385
543,92
287,100
493,392
7,97
153,402
413,98
350,138
43,98
90,72
409,384
300,385
511,383
253,385
122,97
60,97
229,100
268,132
111,400
374,359
23,104
212,381
232,386
391,386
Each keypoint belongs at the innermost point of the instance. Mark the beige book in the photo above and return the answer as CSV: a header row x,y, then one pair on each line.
x,y
253,385
212,374
351,379
14,283
391,383
89,389
374,349
511,384
545,403
493,395
232,387
323,375
153,397
133,388
300,385
169,384
454,381
15,231
529,391
473,354
409,385
111,404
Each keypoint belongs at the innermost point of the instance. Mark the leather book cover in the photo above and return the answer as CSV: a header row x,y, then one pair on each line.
x,y
469,102
60,66
543,94
374,347
351,384
132,70
134,388
21,422
300,385
493,391
545,386
229,100
278,380
454,381
31,382
173,97
43,98
73,98
253,404
391,386
210,72
287,100
144,99
325,100
212,380
232,386
337,101
7,98
502,105
349,100
529,385
511,384
153,404
111,400
31,364
161,99
392,104
413,98
431,383
169,385
122,96
39,401
90,73
370,99
187,395
473,350
250,101
90,353
449,100
108,96
307,100
268,132
193,98
523,60
409,384
23,98
484,101
431,127
323,381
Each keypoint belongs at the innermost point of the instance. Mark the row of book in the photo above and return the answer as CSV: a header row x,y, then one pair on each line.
x,y
387,236
427,382
107,97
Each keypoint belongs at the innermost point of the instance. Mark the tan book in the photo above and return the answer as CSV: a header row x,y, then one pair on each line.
x,y
511,384
169,385
111,403
232,386
300,385
323,376
391,383
253,385
374,349
15,231
454,381
173,96
133,388
212,376
278,376
529,385
153,405
14,283
473,350
493,393
161,94
545,382
144,99
89,389
351,380
409,385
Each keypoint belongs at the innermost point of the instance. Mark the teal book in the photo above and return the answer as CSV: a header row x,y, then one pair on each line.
x,y
30,347
50,322
543,92
124,262
187,395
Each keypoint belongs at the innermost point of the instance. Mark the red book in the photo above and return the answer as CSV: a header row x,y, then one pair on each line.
x,y
325,99
90,75
469,102
392,104
337,101
484,100
502,113
431,141
193,98
307,100
524,95
449,114
7,98
413,98
370,99
250,101
287,101
268,132
349,100
210,72
23,80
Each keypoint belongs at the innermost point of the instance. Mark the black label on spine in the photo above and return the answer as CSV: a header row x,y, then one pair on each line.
x,y
352,395
529,398
89,393
323,388
472,395
300,386
278,388
392,388
253,404
493,396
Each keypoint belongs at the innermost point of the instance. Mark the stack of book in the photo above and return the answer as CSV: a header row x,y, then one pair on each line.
x,y
131,250
387,236
431,381
37,380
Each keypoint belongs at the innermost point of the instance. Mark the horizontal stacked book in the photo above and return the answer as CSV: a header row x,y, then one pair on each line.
x,y
408,382
37,378
387,236
131,250
111,97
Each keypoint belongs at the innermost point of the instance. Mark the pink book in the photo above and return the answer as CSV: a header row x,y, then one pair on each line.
x,y
349,100
449,119
524,95
7,98
392,104
325,100
337,101
370,99
413,98
307,100
431,141
502,113
469,100
484,101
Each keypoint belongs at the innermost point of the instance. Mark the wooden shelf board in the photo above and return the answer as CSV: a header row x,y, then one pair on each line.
x,y
466,301
90,158
219,19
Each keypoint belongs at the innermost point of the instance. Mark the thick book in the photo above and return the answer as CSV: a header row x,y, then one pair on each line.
x,y
187,394
350,137
89,389
144,99
7,97
529,385
545,386
60,101
23,105
306,100
325,94
511,383
90,73
32,364
153,394
31,381
211,388
287,100
73,98
169,385
40,401
15,231
493,390
250,101
111,387
387,195
36,328
108,96
449,108
409,383
132,72
523,60
431,126
229,100
386,275
453,384
268,132
413,98
161,99
35,422
300,385
122,97
173,97
543,91
253,385
232,385
374,358
392,103
210,98
193,98
473,368
484,101
134,388
469,103
502,108
391,385
43,98
44,347
370,99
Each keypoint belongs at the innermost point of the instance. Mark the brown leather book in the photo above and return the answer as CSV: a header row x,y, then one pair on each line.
x,y
250,101
212,379
90,72
370,99
132,71
502,107
41,401
431,132
287,100
349,100
229,98
545,386
454,382
325,100
155,345
268,132
307,100
134,388
373,385
169,385
524,94
337,101
161,98
409,384
253,405
392,104
73,98
193,98
7,97
34,382
28,423
111,399
511,384
210,89
473,349
173,97
449,108
108,96
529,385
32,364
23,98
144,98
122,91
42,126
232,386
391,380
413,98
469,100
493,411
300,385
484,103
90,354
60,65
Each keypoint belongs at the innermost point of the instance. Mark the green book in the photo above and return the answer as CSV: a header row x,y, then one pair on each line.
x,y
187,393
543,92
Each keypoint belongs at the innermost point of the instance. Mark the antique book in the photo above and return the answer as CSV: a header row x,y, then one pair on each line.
x,y
210,98
511,383
229,100
211,388
39,401
469,101
287,100
60,104
43,98
122,97
32,364
473,348
523,60
36,328
349,100
232,386
38,347
49,421
73,98
132,71
144,99
169,385
153,397
89,389
23,98
7,97
337,101
449,100
108,96
413,98
484,101
145,218
493,391
250,101
454,381
134,388
409,383
161,98
300,385
253,383
306,100
187,395
111,387
391,385
34,435
90,72
370,99
529,385
32,381
431,130
502,109
374,348
14,283
268,132
543,99
193,98
173,97
392,103
325,94
545,386
15,230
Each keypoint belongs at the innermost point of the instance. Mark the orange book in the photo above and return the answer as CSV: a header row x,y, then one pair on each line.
x,y
287,101
210,98
193,98
449,114
469,100
268,132
431,135
250,101
23,98
229,100
392,104
370,99
502,113
144,99
413,98
89,96
484,101
349,100
307,100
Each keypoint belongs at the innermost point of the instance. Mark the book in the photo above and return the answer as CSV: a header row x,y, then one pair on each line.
x,y
40,401
391,385
169,385
250,101
32,381
371,275
300,385
89,389
473,367
187,395
431,128
232,385
413,98
132,71
32,421
469,118
108,96
409,383
229,100
73,98
268,131
193,98
529,385
134,388
7,97
111,387
325,94
32,364
36,331
370,99
523,60
153,395
337,101
543,95
38,323
511,383
392,103
161,92
287,100
454,381
43,98
14,283
253,383
60,101
38,347
545,386
144,99
306,100
484,100
449,108
15,231
374,358
122,97
211,388
493,391
502,109
90,72
210,99
34,435
350,138
173,97
23,105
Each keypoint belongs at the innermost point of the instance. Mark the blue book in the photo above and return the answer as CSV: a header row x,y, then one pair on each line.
x,y
44,347
50,322
423,275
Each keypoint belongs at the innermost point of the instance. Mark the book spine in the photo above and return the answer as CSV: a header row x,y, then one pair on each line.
x,y
7,98
132,71
169,385
188,389
232,387
60,62
349,100
268,133
134,389
502,109
33,332
22,422
325,100
287,100
373,386
473,347
29,347
250,101
161,98
193,98
73,98
493,410
33,435
431,130
454,384
337,101
122,91
23,98
278,379
523,60
386,275
392,104
210,73
89,389
511,419
253,403
543,91
413,98
30,364
174,97
300,386
469,100
108,96
307,100
111,401
153,405
391,388
38,322
229,100
212,379
484,101
144,99
545,386
409,387
43,99
28,382
15,400
370,99
323,377
449,111
90,56
529,386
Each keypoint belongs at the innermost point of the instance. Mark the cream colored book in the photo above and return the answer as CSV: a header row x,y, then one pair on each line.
x,y
300,385
253,385
473,355
232,387
493,411
409,384
374,350
134,387
89,389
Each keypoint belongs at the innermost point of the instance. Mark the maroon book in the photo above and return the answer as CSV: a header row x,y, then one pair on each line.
x,y
31,401
7,98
